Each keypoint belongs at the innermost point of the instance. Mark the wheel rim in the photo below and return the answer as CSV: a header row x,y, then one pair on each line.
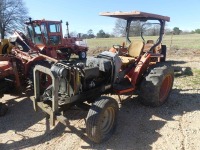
x,y
107,120
165,88
82,54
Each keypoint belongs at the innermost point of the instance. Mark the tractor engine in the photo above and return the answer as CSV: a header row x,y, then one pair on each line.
x,y
77,79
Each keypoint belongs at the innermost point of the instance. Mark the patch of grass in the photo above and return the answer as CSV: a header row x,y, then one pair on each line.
x,y
189,41
196,78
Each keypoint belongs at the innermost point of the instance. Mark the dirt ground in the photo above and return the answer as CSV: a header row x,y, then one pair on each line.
x,y
175,125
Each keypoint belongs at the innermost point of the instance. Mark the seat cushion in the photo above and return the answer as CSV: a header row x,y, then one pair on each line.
x,y
126,60
147,47
135,48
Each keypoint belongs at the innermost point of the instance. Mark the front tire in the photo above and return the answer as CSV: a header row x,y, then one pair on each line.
x,y
82,55
101,119
156,86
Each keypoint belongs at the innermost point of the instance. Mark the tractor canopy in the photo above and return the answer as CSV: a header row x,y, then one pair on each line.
x,y
138,15
141,24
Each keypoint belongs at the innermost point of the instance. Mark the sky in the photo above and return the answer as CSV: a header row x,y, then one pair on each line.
x,y
83,15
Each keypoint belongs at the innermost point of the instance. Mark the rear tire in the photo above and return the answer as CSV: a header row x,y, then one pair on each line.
x,y
156,86
101,119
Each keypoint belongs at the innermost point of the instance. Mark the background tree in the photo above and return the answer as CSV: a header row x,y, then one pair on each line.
x,y
135,28
176,30
150,29
197,31
168,31
13,14
84,36
90,34
120,26
102,34
73,34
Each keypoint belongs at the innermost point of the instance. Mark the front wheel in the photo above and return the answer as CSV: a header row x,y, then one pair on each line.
x,y
101,119
156,86
82,55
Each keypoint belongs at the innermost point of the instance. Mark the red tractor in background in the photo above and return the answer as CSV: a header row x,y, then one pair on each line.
x,y
46,37
42,44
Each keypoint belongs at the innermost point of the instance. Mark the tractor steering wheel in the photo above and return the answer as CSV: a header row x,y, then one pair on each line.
x,y
120,49
117,47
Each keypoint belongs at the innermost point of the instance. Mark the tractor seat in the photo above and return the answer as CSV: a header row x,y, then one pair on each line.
x,y
134,51
148,46
4,65
126,60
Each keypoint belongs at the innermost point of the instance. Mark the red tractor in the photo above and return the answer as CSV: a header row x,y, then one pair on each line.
x,y
121,71
44,44
47,38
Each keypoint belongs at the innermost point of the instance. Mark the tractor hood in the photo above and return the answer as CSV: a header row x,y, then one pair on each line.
x,y
135,14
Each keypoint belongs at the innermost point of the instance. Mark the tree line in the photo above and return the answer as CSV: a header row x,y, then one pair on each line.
x,y
90,34
136,29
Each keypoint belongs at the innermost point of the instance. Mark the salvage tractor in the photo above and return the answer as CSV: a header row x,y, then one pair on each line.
x,y
43,44
48,37
137,65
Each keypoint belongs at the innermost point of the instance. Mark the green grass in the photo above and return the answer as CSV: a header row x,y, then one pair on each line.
x,y
190,41
190,81
196,78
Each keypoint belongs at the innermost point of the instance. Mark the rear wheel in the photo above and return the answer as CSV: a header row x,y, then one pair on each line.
x,y
82,55
156,86
101,119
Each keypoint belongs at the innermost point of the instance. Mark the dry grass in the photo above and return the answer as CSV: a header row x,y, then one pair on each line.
x,y
196,77
190,41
